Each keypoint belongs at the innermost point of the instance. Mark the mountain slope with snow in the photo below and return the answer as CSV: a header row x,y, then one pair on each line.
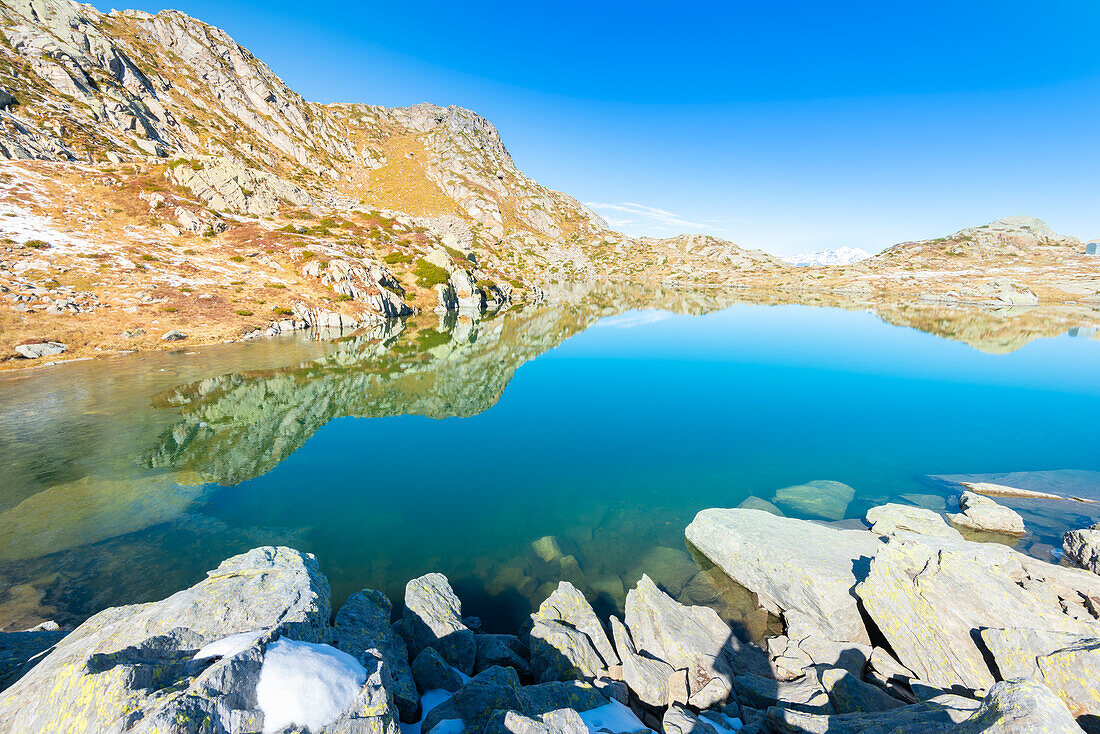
x,y
839,256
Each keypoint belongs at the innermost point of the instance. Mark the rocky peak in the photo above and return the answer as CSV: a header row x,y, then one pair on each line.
x,y
1016,230
133,84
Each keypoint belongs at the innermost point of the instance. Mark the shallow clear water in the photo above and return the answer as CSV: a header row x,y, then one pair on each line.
x,y
454,448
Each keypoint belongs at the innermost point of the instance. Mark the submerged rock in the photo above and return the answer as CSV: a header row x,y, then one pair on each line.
x,y
755,503
822,498
983,514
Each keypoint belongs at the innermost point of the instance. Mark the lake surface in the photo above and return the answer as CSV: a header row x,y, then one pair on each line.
x,y
568,441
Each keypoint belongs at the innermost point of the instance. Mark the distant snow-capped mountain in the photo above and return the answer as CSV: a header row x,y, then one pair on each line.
x,y
839,256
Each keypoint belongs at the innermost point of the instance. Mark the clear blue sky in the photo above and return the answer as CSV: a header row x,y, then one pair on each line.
x,y
785,125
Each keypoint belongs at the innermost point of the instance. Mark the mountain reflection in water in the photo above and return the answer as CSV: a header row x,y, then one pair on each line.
x,y
128,478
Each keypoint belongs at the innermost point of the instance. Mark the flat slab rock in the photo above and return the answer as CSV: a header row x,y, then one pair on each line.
x,y
892,519
791,564
1070,483
940,714
929,598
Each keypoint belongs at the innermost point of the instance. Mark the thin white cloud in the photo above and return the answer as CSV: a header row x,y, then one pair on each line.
x,y
641,215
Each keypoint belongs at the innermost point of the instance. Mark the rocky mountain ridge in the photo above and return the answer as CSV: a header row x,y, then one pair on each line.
x,y
161,180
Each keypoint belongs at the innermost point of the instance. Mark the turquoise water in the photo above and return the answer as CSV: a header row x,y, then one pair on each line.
x,y
456,450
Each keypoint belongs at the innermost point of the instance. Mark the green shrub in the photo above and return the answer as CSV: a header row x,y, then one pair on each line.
x,y
397,257
244,312
237,259
169,309
36,244
428,275
283,311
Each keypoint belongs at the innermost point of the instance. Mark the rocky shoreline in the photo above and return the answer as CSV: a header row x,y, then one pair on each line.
x,y
903,626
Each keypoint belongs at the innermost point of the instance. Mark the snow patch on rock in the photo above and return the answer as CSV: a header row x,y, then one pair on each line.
x,y
306,684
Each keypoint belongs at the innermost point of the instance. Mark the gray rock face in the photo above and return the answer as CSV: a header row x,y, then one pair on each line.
x,y
489,691
822,498
1016,650
802,694
362,624
929,601
432,672
803,646
568,605
790,564
891,519
1083,548
689,638
937,715
849,694
193,223
173,336
561,652
679,720
1019,707
226,185
648,678
561,721
372,710
128,665
982,513
1066,663
41,349
575,695
507,651
433,618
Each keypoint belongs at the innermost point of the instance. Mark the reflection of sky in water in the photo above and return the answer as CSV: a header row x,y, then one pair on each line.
x,y
611,442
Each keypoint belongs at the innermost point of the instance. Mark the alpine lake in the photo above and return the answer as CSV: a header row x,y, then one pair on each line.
x,y
569,440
